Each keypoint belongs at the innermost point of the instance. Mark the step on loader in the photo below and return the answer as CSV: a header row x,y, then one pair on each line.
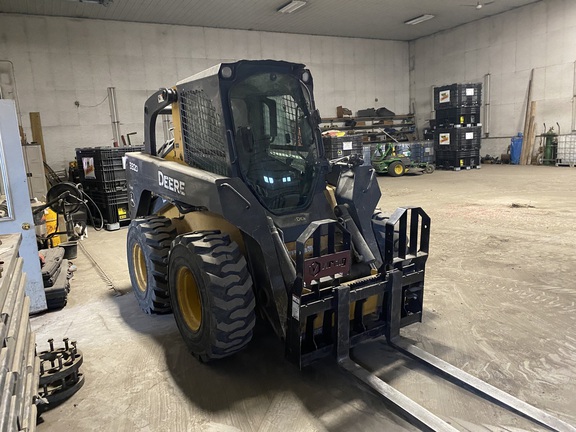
x,y
241,213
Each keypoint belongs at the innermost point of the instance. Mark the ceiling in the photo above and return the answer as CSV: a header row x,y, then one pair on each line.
x,y
375,19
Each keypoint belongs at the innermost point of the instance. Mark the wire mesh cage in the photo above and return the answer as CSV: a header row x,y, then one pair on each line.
x,y
566,154
203,133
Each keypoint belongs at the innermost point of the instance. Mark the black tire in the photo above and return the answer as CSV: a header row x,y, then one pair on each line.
x,y
429,169
148,245
212,296
396,169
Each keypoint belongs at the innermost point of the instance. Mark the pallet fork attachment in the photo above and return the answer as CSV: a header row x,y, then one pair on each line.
x,y
481,388
415,413
407,408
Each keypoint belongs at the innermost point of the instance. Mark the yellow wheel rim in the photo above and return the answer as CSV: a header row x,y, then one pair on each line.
x,y
140,267
398,169
189,301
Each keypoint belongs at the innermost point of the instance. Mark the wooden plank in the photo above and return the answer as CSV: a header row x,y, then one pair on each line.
x,y
527,115
526,155
526,146
37,136
532,131
532,138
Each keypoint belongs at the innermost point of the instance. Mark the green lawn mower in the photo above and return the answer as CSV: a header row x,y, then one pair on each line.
x,y
394,159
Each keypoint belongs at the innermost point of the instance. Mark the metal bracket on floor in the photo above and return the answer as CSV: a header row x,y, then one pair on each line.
x,y
60,375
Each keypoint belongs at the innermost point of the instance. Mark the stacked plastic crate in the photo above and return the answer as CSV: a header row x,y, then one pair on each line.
x,y
457,137
337,147
422,151
103,177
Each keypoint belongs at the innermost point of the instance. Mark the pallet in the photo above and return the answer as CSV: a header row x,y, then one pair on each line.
x,y
462,168
116,226
566,164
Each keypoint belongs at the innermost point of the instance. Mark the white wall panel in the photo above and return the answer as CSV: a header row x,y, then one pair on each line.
x,y
58,61
539,36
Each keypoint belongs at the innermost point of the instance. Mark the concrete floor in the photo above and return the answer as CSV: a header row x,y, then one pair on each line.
x,y
500,303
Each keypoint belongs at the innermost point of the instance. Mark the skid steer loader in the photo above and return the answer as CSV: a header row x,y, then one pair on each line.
x,y
242,214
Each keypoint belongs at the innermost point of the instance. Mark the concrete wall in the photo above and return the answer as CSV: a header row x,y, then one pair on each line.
x,y
540,36
58,61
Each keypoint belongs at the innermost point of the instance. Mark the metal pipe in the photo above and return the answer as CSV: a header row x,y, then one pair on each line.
x,y
114,115
487,95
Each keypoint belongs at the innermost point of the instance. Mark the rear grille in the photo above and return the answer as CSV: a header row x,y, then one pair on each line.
x,y
203,133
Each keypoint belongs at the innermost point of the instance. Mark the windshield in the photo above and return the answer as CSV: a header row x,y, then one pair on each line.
x,y
275,139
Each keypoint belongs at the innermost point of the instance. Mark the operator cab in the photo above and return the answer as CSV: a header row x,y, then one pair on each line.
x,y
253,119
275,139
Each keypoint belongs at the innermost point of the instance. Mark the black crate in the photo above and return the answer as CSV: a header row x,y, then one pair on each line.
x,y
422,151
337,147
105,176
456,153
455,160
112,213
103,164
104,186
105,156
456,95
107,198
458,138
466,115
112,174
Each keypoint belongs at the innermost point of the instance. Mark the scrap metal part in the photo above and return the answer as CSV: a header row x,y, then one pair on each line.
x,y
60,375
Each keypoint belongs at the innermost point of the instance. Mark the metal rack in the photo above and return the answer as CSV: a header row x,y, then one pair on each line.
x,y
19,365
566,152
400,127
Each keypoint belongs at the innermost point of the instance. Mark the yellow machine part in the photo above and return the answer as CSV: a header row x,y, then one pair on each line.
x,y
205,220
202,221
330,194
177,155
51,224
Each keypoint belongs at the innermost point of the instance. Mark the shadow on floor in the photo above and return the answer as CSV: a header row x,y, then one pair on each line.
x,y
261,372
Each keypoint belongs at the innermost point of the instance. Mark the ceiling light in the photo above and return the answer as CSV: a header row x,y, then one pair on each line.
x,y
419,19
293,6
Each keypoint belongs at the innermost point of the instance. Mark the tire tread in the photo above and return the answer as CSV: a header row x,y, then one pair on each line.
x,y
157,234
225,273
